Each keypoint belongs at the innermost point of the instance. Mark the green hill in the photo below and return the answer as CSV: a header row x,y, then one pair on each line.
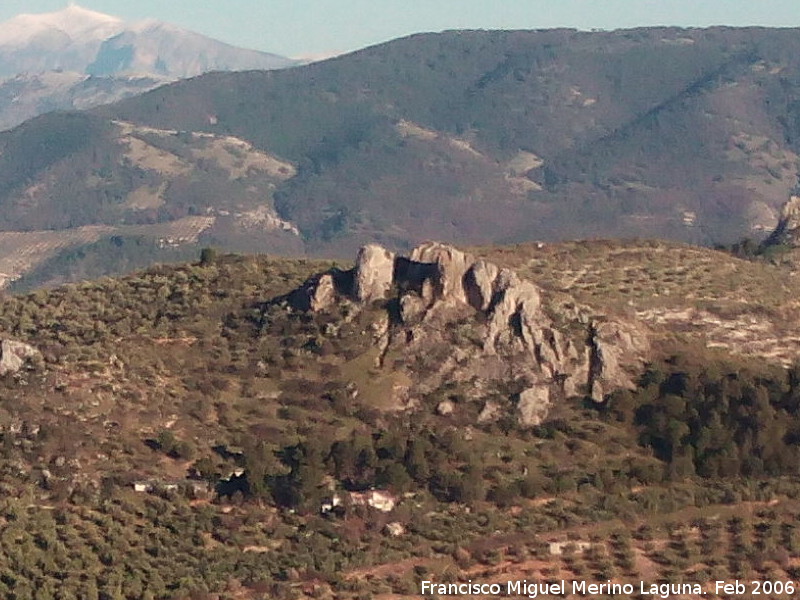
x,y
175,377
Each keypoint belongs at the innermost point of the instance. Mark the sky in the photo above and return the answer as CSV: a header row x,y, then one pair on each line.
x,y
322,27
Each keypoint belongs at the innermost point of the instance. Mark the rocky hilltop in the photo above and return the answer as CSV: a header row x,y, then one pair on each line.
x,y
215,411
452,321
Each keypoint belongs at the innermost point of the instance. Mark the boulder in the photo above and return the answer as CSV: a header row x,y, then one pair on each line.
x,y
412,308
533,405
318,294
490,412
395,529
324,294
445,407
14,355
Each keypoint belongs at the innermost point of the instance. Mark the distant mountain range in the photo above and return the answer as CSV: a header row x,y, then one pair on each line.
x,y
470,137
76,58
85,41
505,136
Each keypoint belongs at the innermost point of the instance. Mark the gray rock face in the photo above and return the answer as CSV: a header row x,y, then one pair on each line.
x,y
373,273
486,325
533,406
14,355
480,280
788,230
449,266
514,312
613,345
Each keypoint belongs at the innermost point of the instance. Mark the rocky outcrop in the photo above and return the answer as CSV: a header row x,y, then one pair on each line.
x,y
480,281
442,269
445,408
457,318
614,346
787,232
14,355
490,412
322,292
373,273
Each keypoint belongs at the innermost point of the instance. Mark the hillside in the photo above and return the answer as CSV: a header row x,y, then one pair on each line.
x,y
260,377
472,137
25,96
122,183
511,136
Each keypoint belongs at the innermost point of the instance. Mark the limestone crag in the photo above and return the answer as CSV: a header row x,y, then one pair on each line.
x,y
450,317
787,231
443,268
322,292
481,280
614,345
373,274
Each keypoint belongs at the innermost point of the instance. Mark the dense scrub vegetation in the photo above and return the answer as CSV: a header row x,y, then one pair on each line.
x,y
716,420
188,374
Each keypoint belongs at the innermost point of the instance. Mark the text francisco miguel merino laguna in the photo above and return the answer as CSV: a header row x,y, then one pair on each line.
x,y
530,589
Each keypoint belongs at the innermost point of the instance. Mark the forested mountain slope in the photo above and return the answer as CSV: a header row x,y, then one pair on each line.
x,y
465,136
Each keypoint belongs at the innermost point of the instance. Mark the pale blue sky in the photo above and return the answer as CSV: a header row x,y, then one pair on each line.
x,y
305,27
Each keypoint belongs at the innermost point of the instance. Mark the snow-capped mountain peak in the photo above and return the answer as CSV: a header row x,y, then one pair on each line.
x,y
92,43
76,57
74,21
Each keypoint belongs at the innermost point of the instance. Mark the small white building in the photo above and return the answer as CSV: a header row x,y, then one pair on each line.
x,y
378,499
142,486
329,504
153,486
395,529
558,548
